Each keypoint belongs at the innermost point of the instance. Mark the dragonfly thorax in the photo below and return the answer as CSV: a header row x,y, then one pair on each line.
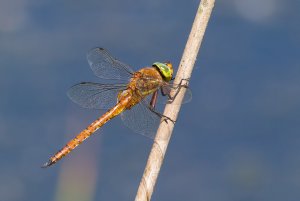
x,y
146,81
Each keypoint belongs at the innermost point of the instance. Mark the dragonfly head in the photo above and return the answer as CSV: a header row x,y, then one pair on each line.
x,y
165,69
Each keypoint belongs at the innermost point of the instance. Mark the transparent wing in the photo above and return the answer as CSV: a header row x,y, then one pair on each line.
x,y
106,67
144,121
141,120
95,95
164,98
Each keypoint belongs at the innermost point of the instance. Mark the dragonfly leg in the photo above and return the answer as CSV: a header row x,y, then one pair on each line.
x,y
180,85
165,118
152,108
153,99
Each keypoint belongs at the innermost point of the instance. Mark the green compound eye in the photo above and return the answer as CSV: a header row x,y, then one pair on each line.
x,y
166,70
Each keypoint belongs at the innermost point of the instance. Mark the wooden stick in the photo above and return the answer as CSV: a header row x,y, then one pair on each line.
x,y
164,131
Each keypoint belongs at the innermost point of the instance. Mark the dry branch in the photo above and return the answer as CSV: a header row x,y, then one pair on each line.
x,y
164,131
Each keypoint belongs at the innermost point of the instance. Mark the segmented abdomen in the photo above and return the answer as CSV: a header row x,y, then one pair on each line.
x,y
87,132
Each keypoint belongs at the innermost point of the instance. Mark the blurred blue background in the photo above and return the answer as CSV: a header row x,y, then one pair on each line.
x,y
237,140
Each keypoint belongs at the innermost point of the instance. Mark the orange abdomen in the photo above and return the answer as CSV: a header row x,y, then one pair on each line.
x,y
113,112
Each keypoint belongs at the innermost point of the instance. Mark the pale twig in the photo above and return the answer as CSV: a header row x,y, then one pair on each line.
x,y
164,131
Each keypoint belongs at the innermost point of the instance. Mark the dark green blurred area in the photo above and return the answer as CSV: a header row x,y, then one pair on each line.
x,y
237,140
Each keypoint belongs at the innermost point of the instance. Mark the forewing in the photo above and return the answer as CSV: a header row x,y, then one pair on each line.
x,y
141,120
106,67
187,96
188,93
95,95
164,98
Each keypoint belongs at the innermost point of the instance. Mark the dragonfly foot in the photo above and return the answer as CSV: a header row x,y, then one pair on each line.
x,y
168,118
165,118
180,85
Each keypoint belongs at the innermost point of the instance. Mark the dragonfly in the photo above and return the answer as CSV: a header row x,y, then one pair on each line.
x,y
131,94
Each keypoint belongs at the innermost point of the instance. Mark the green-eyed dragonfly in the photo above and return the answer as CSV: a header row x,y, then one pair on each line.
x,y
133,96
